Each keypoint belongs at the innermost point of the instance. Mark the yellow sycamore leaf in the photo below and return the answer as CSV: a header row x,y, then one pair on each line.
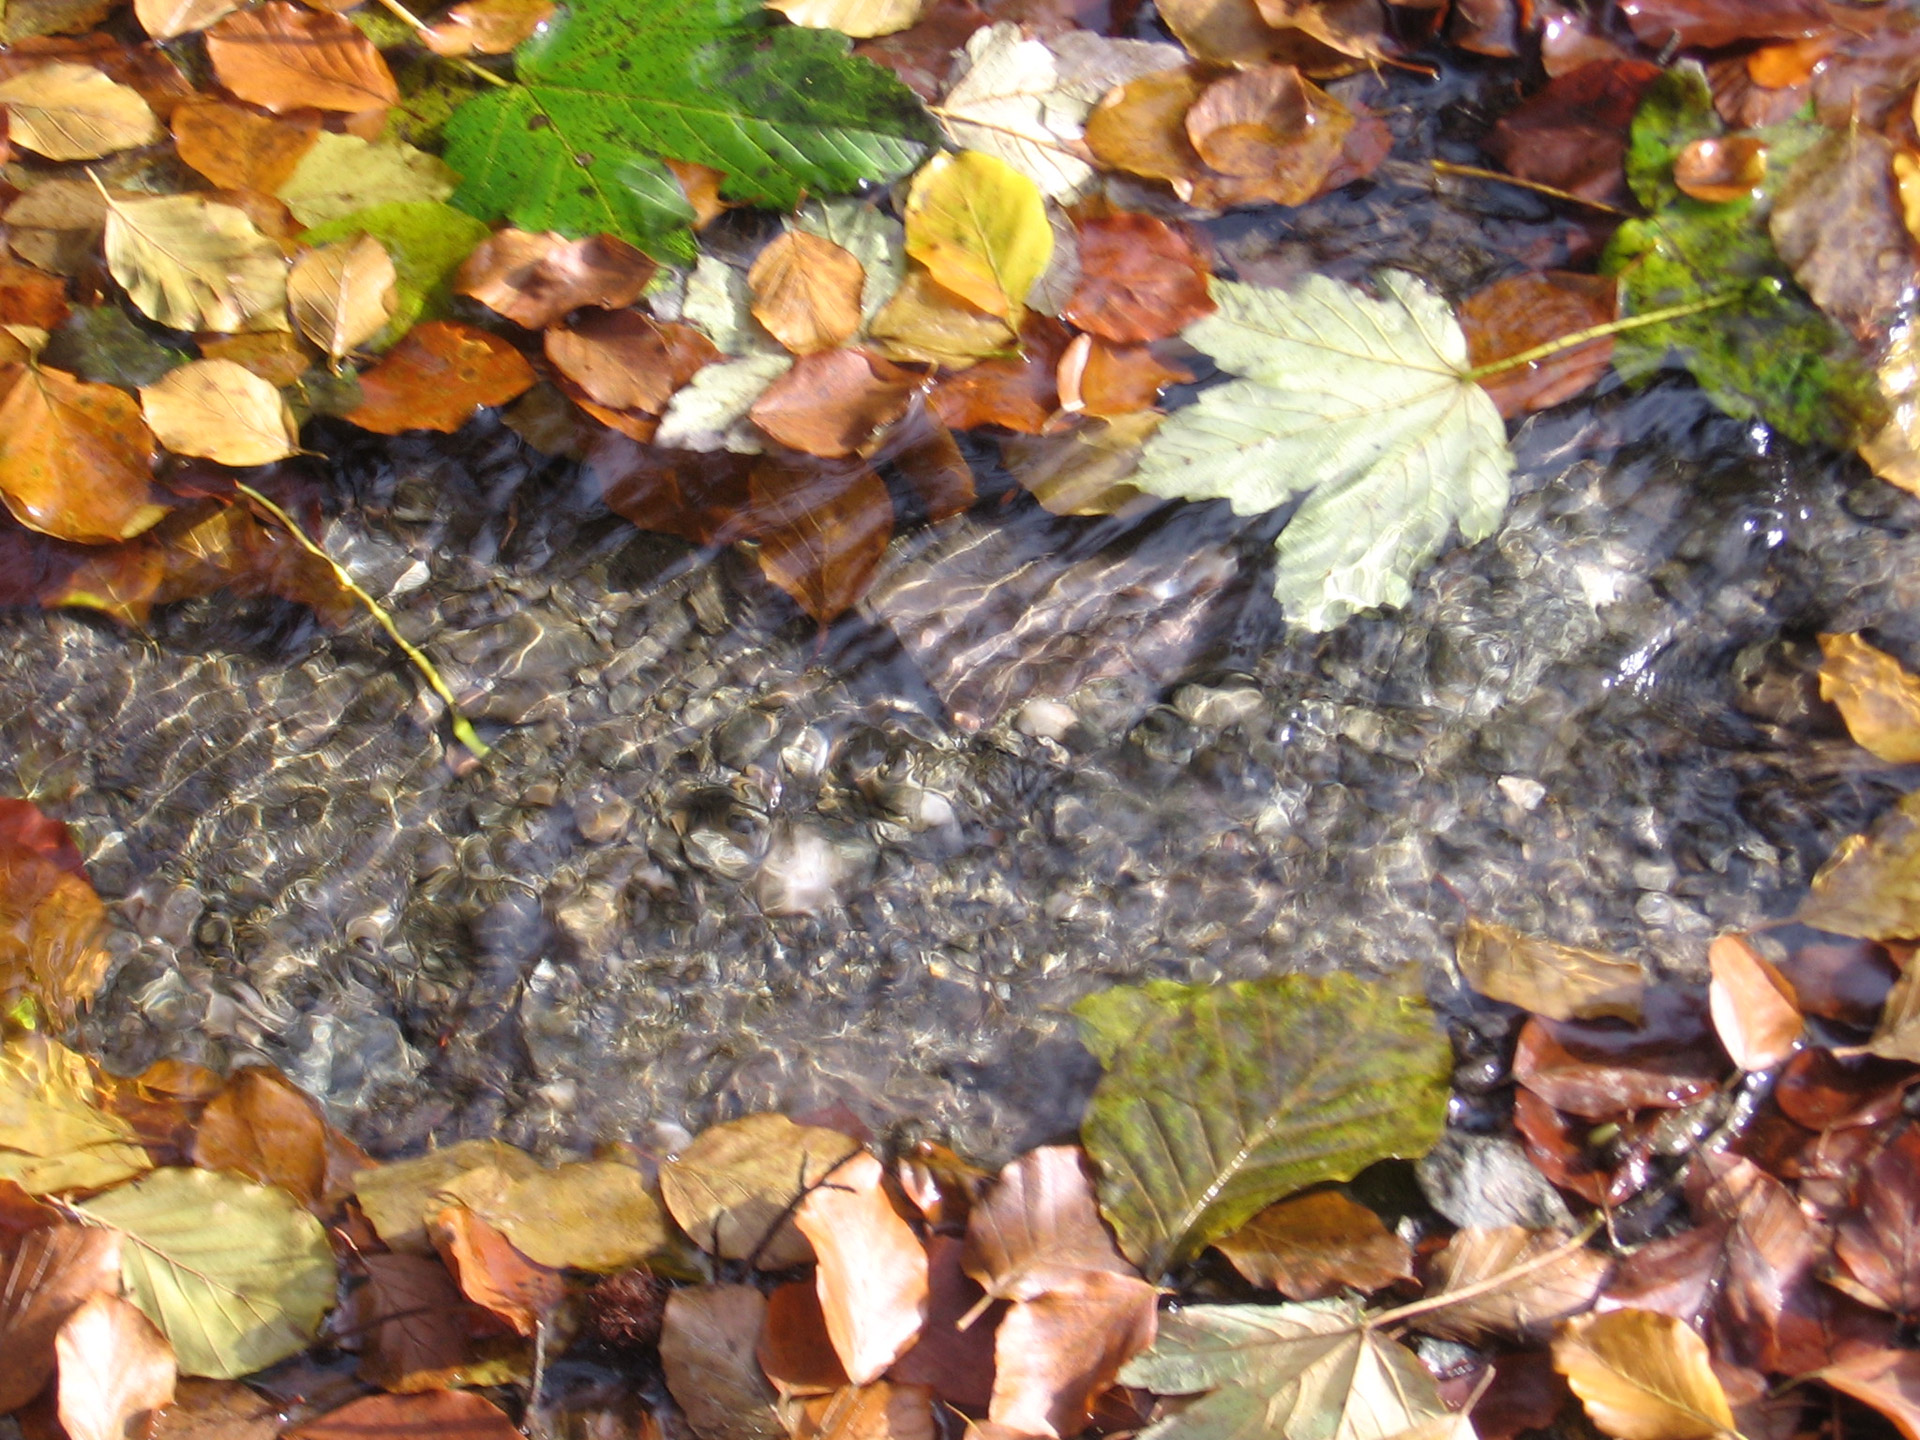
x,y
194,264
1643,1376
220,411
342,294
980,227
53,1135
862,19
74,112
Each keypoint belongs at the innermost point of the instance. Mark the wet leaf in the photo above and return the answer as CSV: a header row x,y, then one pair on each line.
x,y
51,921
1766,1279
590,1215
28,18
1879,1240
1572,134
1605,1073
822,528
238,149
1870,885
443,1414
194,264
115,1370
1351,400
340,175
437,377
830,404
75,459
1886,1379
926,322
1561,982
74,112
398,1198
707,1351
427,241
980,227
795,1349
282,57
806,292
1084,470
1897,1034
164,19
1721,168
1219,1100
413,1320
1643,1376
923,454
342,295
861,19
1526,1306
881,1411
1019,393
869,234
1755,1012
710,411
220,411
1529,310
1265,134
265,1128
872,1275
1140,279
487,27
534,280
235,1274
1141,128
57,224
28,297
1877,696
957,1364
732,1190
1315,1368
1837,223
626,360
1313,1245
493,1273
48,1274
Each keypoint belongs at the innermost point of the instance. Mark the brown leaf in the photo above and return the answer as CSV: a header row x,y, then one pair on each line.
x,y
1083,471
1312,1246
342,295
1572,135
701,185
412,1320
283,57
1838,224
588,1215
700,497
872,1274
52,1271
707,1348
1601,1071
626,360
1140,127
1527,1305
1770,1253
1561,982
1870,885
487,27
1721,168
928,323
1755,1012
277,356
164,19
263,1127
1229,32
217,1410
1140,279
806,292
534,279
1274,133
1878,697
436,377
956,1363
822,528
921,451
30,297
115,1370
75,458
442,1414
1897,1035
1879,1241
1019,393
1512,316
794,1348
1643,1376
880,1411
734,1188
51,920
57,225
1886,1379
1105,380
1823,1090
1707,24
830,404
494,1274
1675,1276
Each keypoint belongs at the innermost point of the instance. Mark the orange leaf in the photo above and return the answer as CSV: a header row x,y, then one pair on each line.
x,y
1140,279
1102,379
51,921
1020,392
1888,1380
1755,1012
699,497
1877,697
1273,133
75,458
437,377
922,452
626,360
872,1273
487,27
1140,127
806,292
1721,169
494,1274
31,297
830,404
701,185
1524,311
823,528
283,57
868,1412
262,1126
54,1271
115,1370
795,1349
442,1414
1311,1246
534,279
238,149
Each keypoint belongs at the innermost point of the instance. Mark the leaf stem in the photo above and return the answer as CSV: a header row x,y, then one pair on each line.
x,y
1475,172
1492,1282
1578,338
421,28
462,730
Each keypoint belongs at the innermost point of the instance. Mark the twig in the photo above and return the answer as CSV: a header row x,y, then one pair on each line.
x,y
421,28
1475,172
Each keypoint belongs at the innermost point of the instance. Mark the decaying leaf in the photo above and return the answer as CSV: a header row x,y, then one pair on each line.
x,y
437,377
194,264
493,1273
707,1346
806,292
1272,134
1755,1011
1878,697
1562,982
238,149
76,459
1870,885
1310,1246
1643,1376
51,920
1837,223
872,1275
283,57
626,360
1525,311
533,280
74,112
399,1197
220,411
590,1215
54,1270
1083,471
443,1414
1140,279
980,227
342,295
822,528
1526,1306
1017,392
710,411
116,1370
926,322
733,1189
413,1320
1879,1240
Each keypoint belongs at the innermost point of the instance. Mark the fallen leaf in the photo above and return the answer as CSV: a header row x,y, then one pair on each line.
x,y
1572,135
1226,32
1870,885
75,459
822,528
872,1275
26,19
795,1350
1877,696
115,1371
342,295
52,1272
533,280
1530,310
1879,1240
1561,982
1768,1258
283,57
926,322
494,1274
956,1364
589,1215
922,452
627,360
1140,279
51,920
1896,1035
56,225
862,19
411,1318
74,112
1019,393
1602,1071
340,175
1083,471
733,1189
1311,1246
698,496
1274,133
264,1127
881,1411
1824,1090
443,1414
1643,1376
1837,222
29,297
165,19
236,1275
1527,1305
1886,1379
1721,168
1141,128
427,241
437,377
1105,380
277,356
1755,1012
980,227
487,27
220,411
831,403
1706,25
806,292
194,264
707,1346
710,411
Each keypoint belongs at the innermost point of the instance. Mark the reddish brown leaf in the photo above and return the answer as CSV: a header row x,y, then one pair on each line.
x,y
806,292
1557,1145
1879,1242
1824,1091
795,1349
1672,1276
218,1410
51,921
1312,1246
1603,1070
413,1322
1264,134
1573,134
1104,380
535,279
830,404
51,1272
703,498
956,1364
437,377
1708,24
1886,1379
441,1414
487,27
264,1127
872,1274
284,57
494,1274
822,528
707,1351
76,459
1755,1012
923,453
238,149
1527,1393
626,360
1019,393
944,1186
115,1370
1524,311
1140,279
1840,978
1721,168
31,297
19,1213
880,1411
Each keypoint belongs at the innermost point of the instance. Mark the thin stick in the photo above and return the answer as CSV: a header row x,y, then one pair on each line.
x,y
462,731
1492,1282
1474,172
1599,332
421,27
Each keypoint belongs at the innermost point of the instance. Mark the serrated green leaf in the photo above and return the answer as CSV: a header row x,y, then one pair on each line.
x,y
1283,1372
1363,405
1229,1097
236,1275
427,241
576,146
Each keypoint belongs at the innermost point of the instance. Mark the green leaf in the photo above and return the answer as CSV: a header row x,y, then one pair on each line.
x,y
1364,405
1296,1372
1226,1098
615,88
427,241
236,1275
1771,354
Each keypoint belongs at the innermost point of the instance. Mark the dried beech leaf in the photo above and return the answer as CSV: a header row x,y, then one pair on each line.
x,y
881,1411
806,292
116,1370
980,227
1274,133
1643,1376
220,411
442,1414
1878,697
1099,378
413,1321
822,528
589,1215
75,459
237,149
1755,1012
1310,1246
1896,1036
52,922
861,19
1140,279
53,1271
264,1127
872,1274
283,57
830,404
194,264
1879,1240
707,1345
1525,1307
74,112
1562,982
487,27
494,1274
164,19
733,1188
436,377
399,1197
626,360
342,295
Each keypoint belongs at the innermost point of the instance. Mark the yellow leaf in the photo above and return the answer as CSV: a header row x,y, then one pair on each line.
x,y
73,112
590,1215
1877,697
980,227
53,1135
1561,982
342,294
341,174
194,264
1642,1376
220,411
861,19
926,322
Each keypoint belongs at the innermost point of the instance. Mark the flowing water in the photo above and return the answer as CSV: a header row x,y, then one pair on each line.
x,y
719,862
